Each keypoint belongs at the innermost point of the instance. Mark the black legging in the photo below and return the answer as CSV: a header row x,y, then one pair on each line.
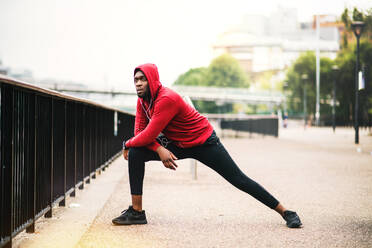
x,y
213,154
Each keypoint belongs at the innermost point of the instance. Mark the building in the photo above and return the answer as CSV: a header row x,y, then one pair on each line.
x,y
273,43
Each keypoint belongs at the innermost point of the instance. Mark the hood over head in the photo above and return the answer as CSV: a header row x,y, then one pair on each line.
x,y
152,75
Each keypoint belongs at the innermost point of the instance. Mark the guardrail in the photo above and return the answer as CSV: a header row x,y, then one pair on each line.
x,y
266,125
51,144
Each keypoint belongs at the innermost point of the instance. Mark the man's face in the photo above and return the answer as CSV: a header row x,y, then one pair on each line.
x,y
141,83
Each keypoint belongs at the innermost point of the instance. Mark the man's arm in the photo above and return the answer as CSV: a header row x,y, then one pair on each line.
x,y
166,156
164,111
140,124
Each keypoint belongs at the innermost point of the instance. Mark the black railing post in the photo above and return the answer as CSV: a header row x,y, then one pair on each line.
x,y
62,203
73,193
83,140
94,140
7,105
11,171
31,228
88,136
51,183
104,148
99,140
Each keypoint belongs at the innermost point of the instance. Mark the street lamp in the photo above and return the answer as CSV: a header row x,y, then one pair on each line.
x,y
335,71
304,77
357,29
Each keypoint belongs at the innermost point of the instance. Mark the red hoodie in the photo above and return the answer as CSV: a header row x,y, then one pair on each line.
x,y
166,113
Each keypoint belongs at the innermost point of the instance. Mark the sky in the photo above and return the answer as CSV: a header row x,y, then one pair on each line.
x,y
100,42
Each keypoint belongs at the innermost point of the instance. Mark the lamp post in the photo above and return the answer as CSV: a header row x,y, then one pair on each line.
x,y
304,77
285,114
357,29
317,73
335,71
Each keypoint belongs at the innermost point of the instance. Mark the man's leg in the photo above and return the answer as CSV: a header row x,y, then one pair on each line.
x,y
136,168
217,158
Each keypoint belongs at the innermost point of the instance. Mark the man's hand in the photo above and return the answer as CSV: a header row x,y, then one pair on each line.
x,y
125,153
167,157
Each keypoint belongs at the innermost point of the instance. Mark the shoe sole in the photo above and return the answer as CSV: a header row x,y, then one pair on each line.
x,y
135,222
295,225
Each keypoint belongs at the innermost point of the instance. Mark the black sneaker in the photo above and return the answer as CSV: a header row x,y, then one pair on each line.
x,y
130,217
292,219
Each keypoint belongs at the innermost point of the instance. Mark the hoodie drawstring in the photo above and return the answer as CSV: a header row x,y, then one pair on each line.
x,y
147,112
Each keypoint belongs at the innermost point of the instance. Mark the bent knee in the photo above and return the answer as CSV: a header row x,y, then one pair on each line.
x,y
135,153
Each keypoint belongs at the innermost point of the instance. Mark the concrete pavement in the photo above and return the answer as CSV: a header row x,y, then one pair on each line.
x,y
321,175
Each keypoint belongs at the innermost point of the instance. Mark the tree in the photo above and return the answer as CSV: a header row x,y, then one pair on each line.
x,y
348,17
346,84
357,15
305,65
345,87
193,77
223,71
345,77
346,62
345,18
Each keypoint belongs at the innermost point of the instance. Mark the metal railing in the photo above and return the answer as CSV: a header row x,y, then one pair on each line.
x,y
51,144
266,125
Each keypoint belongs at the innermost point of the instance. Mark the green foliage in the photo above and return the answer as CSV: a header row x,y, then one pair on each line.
x,y
305,65
345,60
345,18
212,107
345,88
264,81
345,77
193,77
357,15
368,21
223,71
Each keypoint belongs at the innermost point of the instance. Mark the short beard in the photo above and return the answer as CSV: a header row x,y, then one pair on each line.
x,y
146,96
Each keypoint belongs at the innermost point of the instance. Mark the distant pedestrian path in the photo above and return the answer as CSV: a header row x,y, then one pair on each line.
x,y
342,139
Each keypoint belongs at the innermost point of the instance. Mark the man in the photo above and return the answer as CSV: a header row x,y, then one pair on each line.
x,y
184,134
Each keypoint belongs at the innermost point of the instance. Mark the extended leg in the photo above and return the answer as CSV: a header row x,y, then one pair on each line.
x,y
217,158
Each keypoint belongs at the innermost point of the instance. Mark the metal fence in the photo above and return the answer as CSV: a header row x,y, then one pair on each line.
x,y
255,124
51,144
